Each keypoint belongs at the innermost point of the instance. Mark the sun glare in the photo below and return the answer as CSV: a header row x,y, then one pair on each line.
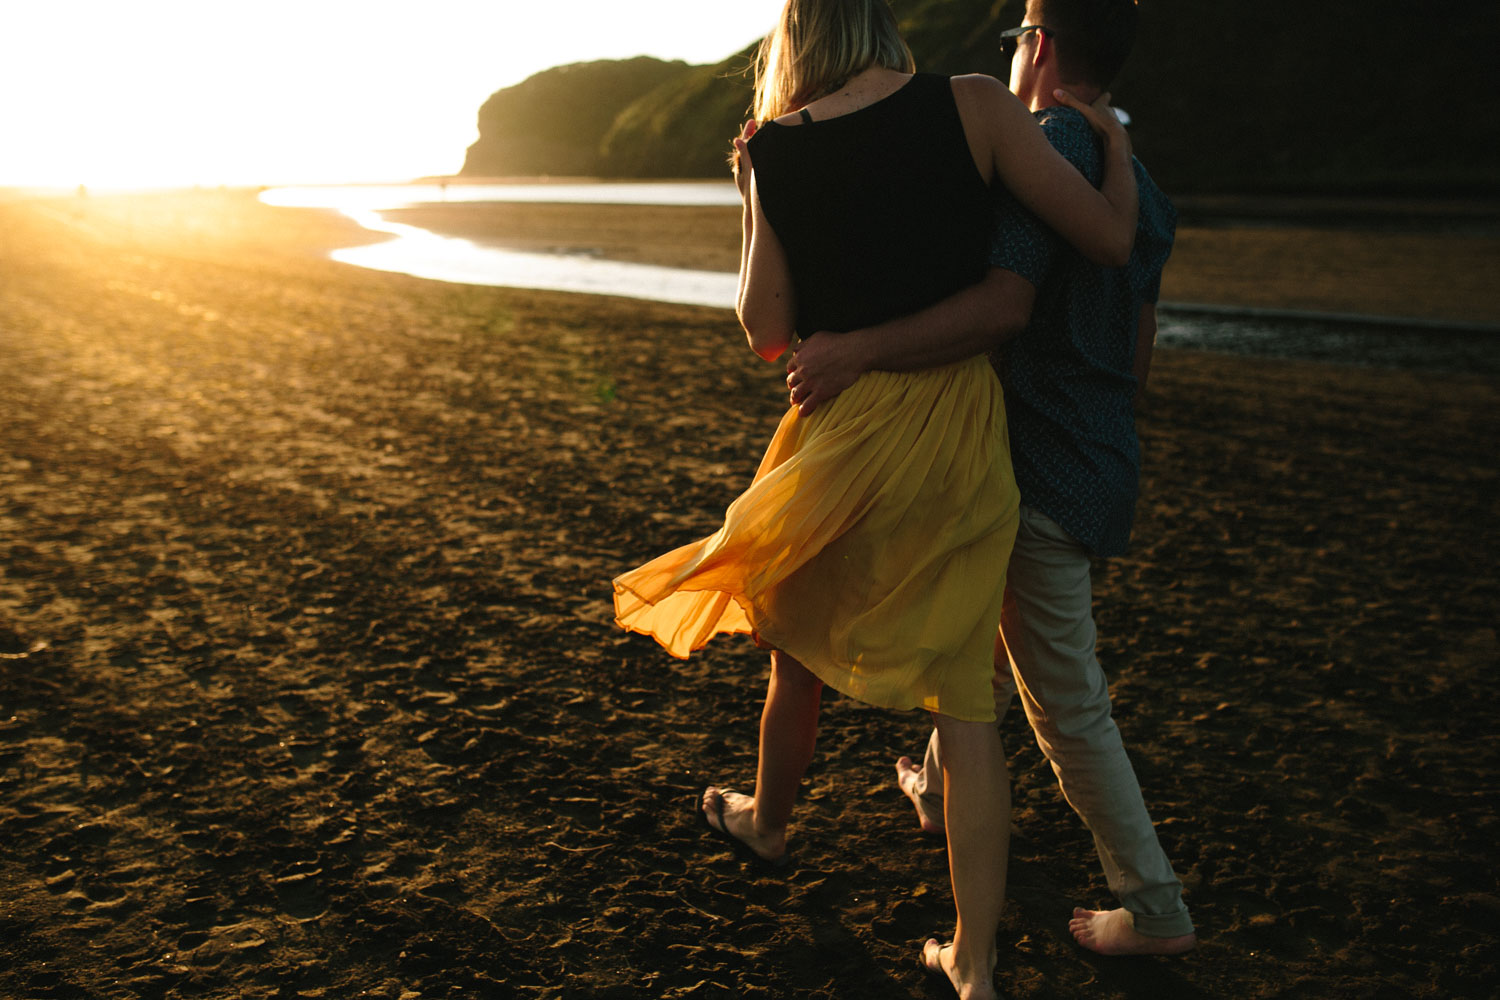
x,y
169,92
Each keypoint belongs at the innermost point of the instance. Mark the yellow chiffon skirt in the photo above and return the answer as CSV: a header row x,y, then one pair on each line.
x,y
871,546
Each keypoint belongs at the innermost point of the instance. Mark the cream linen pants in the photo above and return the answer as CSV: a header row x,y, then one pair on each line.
x,y
1048,626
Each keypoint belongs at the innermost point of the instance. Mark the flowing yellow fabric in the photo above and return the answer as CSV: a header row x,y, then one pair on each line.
x,y
871,546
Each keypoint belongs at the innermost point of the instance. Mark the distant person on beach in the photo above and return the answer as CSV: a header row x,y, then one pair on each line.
x,y
1072,378
869,553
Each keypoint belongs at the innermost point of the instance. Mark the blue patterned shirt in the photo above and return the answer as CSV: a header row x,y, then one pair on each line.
x,y
1069,387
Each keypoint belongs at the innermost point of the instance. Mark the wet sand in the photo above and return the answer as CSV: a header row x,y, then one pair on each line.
x,y
310,686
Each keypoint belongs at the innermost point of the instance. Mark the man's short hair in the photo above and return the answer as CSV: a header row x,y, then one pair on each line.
x,y
1092,37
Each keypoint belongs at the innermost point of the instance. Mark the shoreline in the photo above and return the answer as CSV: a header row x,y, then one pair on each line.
x,y
1330,318
1400,274
1407,268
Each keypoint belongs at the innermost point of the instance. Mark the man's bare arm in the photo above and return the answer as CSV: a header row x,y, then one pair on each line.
x,y
1145,343
969,322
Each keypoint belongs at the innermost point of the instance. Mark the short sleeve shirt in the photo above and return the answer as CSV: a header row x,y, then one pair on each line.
x,y
1069,387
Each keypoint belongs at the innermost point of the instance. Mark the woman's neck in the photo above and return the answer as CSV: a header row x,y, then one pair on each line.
x,y
859,91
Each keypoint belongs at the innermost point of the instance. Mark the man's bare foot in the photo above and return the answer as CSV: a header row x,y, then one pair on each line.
x,y
732,815
907,775
938,959
1109,932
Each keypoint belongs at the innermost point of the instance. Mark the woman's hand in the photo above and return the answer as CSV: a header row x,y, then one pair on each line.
x,y
742,165
1101,118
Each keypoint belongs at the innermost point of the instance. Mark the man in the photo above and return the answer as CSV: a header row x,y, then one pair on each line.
x,y
1072,376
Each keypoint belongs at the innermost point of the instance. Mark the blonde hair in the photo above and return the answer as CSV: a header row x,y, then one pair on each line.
x,y
818,45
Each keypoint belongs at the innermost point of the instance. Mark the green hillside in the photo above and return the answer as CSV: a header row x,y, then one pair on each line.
x,y
1227,96
555,121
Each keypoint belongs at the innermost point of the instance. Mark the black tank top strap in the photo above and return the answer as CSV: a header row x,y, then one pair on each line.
x,y
806,117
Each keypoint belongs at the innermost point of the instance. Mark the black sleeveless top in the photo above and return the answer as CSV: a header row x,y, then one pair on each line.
x,y
881,211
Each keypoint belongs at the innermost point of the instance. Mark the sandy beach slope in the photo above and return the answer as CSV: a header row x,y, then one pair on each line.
x,y
309,686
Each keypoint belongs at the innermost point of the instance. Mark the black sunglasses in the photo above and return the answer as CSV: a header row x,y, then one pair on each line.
x,y
1009,40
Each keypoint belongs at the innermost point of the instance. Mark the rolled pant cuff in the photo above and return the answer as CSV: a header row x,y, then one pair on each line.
x,y
1162,925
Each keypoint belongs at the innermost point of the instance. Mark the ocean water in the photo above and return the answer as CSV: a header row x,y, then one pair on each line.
x,y
376,197
1414,344
425,254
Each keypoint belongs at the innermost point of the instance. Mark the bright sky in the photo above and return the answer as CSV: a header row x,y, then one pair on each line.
x,y
166,92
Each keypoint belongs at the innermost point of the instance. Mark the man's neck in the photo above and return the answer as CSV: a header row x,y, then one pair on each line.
x,y
1041,99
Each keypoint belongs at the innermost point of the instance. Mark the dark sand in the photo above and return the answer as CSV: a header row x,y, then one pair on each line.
x,y
310,686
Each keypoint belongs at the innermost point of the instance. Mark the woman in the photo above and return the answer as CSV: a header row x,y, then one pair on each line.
x,y
869,553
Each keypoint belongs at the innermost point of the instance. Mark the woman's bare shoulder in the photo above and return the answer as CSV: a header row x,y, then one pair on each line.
x,y
985,102
978,87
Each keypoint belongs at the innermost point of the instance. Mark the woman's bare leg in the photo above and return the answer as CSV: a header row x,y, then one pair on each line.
x,y
976,812
788,733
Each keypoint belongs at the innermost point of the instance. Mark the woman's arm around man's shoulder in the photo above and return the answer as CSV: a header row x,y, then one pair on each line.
x,y
1010,147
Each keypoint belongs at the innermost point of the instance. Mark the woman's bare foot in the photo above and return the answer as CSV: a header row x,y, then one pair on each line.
x,y
907,774
1109,932
732,815
938,959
